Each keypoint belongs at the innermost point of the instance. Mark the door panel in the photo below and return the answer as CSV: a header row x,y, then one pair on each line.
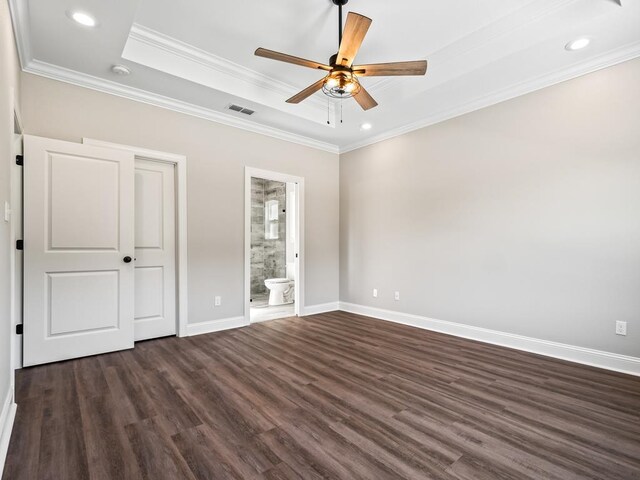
x,y
97,311
149,205
149,292
78,226
95,197
155,246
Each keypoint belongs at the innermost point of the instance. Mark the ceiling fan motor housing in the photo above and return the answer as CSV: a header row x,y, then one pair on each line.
x,y
340,2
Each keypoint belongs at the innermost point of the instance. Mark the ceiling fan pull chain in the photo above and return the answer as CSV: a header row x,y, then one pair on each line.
x,y
340,110
328,122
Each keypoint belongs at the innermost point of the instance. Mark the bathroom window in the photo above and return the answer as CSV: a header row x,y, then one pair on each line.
x,y
271,220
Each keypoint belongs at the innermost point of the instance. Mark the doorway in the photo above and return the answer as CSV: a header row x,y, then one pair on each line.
x,y
175,166
274,273
101,220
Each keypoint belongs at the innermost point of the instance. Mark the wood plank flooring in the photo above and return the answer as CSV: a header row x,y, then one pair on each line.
x,y
333,396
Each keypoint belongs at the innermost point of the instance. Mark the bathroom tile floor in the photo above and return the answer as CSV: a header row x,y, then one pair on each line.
x,y
260,310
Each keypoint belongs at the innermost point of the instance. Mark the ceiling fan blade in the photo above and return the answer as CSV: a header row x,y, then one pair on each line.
x,y
283,57
418,67
307,92
354,31
365,100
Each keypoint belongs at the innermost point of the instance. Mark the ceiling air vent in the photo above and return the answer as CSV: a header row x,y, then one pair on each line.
x,y
239,109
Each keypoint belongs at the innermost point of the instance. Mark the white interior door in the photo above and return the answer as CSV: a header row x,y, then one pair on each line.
x,y
155,247
78,233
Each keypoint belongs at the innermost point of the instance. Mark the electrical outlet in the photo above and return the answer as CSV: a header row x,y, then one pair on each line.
x,y
621,328
217,301
375,293
396,296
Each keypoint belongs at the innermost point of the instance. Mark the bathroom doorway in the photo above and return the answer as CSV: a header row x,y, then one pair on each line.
x,y
273,253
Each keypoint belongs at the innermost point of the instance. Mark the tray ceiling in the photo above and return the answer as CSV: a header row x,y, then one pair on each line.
x,y
197,57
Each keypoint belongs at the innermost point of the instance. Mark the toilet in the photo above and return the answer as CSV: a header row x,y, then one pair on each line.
x,y
280,290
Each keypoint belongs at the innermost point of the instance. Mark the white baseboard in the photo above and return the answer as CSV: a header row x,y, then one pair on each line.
x,y
7,417
236,322
215,325
320,308
571,353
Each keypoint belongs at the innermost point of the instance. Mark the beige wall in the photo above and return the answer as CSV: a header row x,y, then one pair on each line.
x,y
217,155
523,217
9,88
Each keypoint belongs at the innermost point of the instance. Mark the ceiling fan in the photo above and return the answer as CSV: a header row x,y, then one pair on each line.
x,y
341,80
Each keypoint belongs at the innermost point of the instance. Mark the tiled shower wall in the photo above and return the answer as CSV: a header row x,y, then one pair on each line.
x,y
268,257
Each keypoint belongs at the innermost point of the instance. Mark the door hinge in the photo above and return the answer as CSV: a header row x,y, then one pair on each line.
x,y
19,160
19,245
19,329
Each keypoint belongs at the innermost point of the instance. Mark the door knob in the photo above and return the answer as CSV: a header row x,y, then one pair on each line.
x,y
126,259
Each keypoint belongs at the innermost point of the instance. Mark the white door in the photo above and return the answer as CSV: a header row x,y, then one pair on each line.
x,y
155,264
78,236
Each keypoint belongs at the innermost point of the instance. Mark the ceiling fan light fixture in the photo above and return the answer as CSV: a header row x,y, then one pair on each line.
x,y
341,84
331,82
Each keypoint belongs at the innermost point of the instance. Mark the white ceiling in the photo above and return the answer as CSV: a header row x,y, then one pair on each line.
x,y
197,56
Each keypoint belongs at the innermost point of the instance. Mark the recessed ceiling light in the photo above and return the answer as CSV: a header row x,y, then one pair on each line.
x,y
366,126
577,44
83,19
120,70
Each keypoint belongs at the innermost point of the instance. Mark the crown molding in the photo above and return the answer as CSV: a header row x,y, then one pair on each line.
x,y
167,54
619,55
21,29
164,42
54,72
614,57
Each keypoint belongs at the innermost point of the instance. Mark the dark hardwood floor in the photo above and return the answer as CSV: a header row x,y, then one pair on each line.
x,y
328,396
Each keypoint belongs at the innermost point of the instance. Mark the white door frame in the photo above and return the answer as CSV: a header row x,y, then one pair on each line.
x,y
15,189
180,162
249,173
